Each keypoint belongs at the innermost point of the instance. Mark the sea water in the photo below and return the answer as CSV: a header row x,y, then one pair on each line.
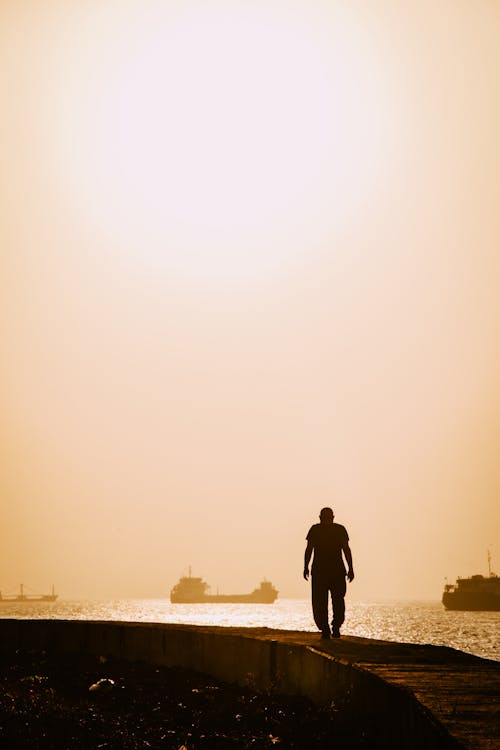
x,y
410,622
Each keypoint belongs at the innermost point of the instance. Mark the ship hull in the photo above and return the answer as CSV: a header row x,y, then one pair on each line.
x,y
470,603
29,600
223,599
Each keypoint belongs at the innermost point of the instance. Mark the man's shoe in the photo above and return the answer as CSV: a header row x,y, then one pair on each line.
x,y
335,632
325,634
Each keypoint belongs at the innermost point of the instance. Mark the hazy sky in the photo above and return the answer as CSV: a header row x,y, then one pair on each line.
x,y
249,267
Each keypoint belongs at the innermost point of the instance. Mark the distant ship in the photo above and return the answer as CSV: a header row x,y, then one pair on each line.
x,y
477,593
27,598
192,590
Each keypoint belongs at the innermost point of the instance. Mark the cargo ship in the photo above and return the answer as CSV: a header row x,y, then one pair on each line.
x,y
193,590
27,598
476,593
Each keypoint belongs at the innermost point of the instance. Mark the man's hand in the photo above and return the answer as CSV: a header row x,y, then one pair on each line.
x,y
350,575
306,573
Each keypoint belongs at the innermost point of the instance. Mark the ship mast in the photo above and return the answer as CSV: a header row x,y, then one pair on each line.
x,y
489,563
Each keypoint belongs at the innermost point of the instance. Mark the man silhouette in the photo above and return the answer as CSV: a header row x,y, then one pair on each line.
x,y
328,541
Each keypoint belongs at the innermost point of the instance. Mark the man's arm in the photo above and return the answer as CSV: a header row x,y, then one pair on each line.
x,y
307,558
348,556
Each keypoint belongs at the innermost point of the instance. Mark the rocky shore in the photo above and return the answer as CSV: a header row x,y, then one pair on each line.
x,y
89,703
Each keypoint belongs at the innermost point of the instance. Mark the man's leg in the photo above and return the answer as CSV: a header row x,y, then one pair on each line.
x,y
319,589
338,590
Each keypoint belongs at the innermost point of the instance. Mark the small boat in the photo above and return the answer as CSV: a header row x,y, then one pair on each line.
x,y
22,598
193,590
474,594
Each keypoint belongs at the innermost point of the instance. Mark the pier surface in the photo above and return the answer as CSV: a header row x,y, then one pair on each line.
x,y
461,690
418,696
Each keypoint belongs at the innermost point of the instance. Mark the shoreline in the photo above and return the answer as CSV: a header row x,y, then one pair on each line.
x,y
417,623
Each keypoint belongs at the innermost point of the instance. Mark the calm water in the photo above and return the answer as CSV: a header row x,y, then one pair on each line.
x,y
412,622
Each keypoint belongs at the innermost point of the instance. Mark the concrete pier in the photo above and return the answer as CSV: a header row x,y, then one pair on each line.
x,y
414,696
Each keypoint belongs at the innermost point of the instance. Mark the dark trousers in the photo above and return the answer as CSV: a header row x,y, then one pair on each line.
x,y
323,586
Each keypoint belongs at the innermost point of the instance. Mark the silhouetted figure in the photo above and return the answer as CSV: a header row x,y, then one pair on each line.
x,y
328,541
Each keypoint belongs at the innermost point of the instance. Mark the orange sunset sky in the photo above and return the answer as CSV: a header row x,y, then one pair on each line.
x,y
249,267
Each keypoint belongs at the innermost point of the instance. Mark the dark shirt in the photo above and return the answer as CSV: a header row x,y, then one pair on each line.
x,y
328,540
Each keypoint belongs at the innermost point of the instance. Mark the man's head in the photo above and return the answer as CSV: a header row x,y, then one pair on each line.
x,y
326,515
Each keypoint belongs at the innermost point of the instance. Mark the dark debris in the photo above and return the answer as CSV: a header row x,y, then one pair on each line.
x,y
45,704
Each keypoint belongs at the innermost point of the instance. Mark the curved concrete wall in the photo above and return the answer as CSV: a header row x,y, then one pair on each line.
x,y
394,713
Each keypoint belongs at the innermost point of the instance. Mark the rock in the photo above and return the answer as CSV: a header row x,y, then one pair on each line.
x,y
103,685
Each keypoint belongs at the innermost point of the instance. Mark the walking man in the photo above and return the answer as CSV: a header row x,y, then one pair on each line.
x,y
328,541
